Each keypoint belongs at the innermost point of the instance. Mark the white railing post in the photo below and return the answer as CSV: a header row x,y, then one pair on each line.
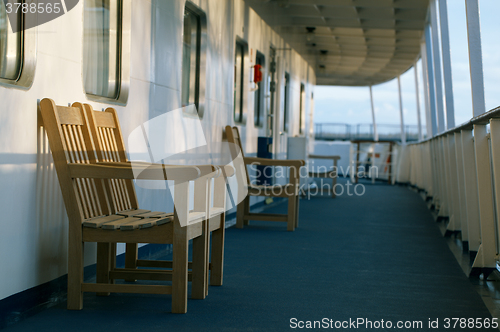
x,y
421,166
435,171
430,183
462,208
436,154
470,188
454,187
446,207
486,256
426,172
451,176
495,157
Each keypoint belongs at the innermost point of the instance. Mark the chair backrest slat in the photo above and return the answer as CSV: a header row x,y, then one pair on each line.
x,y
85,186
107,135
67,116
105,119
70,142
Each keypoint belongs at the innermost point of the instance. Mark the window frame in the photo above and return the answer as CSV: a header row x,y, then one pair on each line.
x,y
286,101
242,114
28,47
302,109
201,54
259,100
123,56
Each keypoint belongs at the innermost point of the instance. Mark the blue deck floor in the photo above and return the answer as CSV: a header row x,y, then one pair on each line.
x,y
377,256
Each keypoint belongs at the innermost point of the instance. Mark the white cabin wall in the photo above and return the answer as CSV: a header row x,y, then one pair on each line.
x,y
34,223
34,226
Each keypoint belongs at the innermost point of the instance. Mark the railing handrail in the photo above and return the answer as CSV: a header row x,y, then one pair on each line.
x,y
480,119
346,131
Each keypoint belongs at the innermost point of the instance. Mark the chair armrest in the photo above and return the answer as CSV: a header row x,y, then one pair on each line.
x,y
204,169
275,162
228,170
127,171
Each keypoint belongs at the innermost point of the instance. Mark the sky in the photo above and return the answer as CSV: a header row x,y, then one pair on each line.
x,y
352,104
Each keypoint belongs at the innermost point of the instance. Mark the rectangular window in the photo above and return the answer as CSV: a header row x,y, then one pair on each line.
x,y
239,81
102,48
259,93
190,91
302,113
10,46
193,59
286,96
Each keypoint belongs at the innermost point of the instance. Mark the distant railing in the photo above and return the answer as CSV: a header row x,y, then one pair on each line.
x,y
345,132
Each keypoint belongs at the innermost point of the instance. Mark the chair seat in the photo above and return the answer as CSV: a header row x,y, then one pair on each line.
x,y
116,221
138,219
139,230
214,211
286,190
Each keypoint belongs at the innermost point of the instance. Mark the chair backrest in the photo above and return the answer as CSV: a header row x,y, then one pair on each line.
x,y
108,139
233,136
71,142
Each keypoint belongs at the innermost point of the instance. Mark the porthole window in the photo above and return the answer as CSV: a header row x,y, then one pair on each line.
x,y
17,49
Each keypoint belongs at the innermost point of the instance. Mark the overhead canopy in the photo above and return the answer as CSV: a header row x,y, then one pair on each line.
x,y
350,42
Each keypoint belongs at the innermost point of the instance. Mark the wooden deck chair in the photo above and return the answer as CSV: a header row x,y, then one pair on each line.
x,y
91,219
329,174
108,139
290,190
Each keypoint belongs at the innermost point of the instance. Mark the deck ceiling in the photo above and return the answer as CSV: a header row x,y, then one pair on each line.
x,y
354,42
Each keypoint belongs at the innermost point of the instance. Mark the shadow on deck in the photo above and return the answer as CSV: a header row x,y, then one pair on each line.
x,y
376,256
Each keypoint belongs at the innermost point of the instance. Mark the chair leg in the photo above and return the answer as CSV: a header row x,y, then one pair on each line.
x,y
240,212
180,269
334,182
216,272
291,213
199,282
131,255
247,209
297,200
112,259
75,271
103,265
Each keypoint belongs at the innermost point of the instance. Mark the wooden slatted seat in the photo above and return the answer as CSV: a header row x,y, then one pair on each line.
x,y
154,214
94,193
108,138
289,190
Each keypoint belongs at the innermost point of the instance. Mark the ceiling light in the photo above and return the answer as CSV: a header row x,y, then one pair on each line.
x,y
310,34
